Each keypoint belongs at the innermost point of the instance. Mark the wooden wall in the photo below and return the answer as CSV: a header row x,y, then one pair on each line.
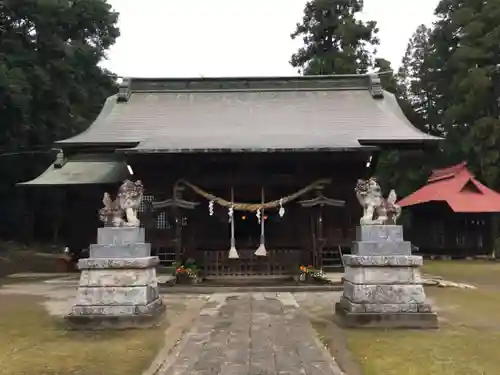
x,y
437,230
279,174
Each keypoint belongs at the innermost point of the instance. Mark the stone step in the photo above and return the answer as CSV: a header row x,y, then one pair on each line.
x,y
210,289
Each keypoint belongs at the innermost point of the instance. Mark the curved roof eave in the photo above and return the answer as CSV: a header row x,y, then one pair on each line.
x,y
420,137
106,110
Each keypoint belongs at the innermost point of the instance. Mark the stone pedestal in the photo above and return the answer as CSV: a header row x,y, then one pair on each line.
x,y
382,283
118,285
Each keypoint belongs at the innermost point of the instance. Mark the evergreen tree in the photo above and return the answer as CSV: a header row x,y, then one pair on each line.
x,y
417,81
50,84
51,87
335,42
466,62
412,87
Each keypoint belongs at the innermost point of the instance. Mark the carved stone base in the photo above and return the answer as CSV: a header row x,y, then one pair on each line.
x,y
118,285
93,320
382,283
118,310
382,308
384,293
413,320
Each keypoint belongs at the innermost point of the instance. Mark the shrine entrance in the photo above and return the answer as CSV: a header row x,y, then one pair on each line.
x,y
247,230
237,232
252,238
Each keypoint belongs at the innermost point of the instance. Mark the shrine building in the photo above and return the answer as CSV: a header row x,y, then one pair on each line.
x,y
208,147
454,214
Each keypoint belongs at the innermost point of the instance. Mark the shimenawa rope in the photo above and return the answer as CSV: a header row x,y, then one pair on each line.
x,y
253,207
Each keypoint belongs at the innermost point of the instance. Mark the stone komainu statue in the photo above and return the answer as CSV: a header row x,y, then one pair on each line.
x,y
376,209
126,204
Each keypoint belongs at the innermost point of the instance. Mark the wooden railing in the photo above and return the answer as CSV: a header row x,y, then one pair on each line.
x,y
277,262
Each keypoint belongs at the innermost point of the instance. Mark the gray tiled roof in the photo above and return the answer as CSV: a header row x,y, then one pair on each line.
x,y
327,113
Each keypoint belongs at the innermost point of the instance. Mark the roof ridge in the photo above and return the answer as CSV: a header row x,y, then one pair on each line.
x,y
482,187
251,78
366,82
201,91
447,172
475,183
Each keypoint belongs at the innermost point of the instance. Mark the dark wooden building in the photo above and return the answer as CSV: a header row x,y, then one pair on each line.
x,y
245,139
453,214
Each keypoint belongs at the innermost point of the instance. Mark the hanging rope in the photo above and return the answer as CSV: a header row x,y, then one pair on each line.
x,y
261,250
253,207
233,253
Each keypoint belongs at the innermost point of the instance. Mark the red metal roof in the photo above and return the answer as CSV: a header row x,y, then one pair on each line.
x,y
456,186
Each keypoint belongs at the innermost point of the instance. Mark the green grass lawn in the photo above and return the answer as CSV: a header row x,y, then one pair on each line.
x,y
467,343
32,342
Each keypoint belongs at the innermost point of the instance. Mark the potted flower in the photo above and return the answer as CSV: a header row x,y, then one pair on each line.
x,y
187,273
310,274
305,273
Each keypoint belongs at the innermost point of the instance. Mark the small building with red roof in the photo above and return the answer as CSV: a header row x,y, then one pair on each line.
x,y
453,213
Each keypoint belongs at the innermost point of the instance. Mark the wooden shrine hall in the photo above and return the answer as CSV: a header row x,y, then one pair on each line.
x,y
247,176
453,214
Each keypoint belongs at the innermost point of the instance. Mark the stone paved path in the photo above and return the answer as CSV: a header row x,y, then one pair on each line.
x,y
250,334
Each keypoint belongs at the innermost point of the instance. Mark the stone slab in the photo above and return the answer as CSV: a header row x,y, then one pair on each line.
x,y
118,277
420,320
112,296
382,275
361,293
130,263
117,310
252,334
364,248
134,250
379,233
383,260
101,322
120,236
350,306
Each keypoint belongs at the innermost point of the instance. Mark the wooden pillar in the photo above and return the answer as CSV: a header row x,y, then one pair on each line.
x,y
493,225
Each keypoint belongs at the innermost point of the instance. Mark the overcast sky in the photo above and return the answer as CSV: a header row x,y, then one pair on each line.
x,y
190,38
